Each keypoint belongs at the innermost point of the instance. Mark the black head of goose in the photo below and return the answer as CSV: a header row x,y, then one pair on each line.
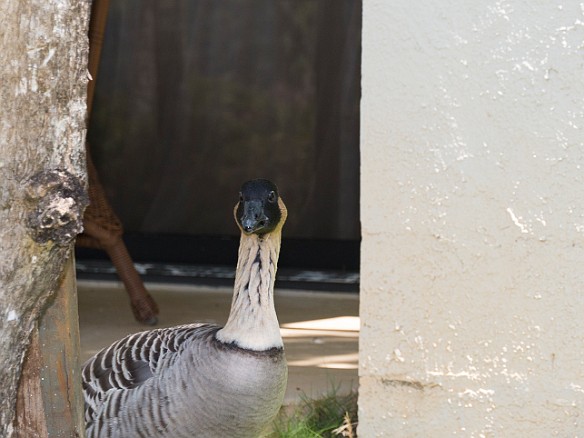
x,y
202,380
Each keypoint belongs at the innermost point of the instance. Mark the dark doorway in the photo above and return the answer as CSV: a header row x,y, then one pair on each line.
x,y
195,97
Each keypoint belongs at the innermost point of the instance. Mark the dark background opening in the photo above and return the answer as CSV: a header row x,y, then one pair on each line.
x,y
194,98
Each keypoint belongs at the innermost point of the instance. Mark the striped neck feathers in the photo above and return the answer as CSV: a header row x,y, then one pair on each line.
x,y
252,322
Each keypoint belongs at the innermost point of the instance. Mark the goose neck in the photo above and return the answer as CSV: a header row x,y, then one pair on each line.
x,y
252,322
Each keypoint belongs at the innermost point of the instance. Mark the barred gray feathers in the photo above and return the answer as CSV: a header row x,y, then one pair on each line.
x,y
195,380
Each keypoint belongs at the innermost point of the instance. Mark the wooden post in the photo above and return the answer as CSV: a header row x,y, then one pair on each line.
x,y
50,402
30,413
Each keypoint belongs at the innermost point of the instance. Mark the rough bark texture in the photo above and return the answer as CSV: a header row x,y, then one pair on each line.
x,y
43,71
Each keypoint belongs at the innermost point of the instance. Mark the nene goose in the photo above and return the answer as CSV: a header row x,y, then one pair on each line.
x,y
202,380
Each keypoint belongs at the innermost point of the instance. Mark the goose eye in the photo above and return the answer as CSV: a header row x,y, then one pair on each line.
x,y
272,196
240,197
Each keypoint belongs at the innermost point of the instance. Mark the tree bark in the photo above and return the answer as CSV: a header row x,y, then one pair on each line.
x,y
43,71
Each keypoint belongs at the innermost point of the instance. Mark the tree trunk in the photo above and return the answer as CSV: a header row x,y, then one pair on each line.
x,y
43,71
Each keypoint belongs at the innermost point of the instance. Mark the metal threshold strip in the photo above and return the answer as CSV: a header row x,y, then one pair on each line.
x,y
322,280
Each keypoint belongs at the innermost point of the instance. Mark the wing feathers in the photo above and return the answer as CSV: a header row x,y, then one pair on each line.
x,y
127,364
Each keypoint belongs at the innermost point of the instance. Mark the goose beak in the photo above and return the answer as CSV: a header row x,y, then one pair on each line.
x,y
253,218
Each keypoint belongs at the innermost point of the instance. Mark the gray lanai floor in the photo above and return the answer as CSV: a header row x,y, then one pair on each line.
x,y
320,329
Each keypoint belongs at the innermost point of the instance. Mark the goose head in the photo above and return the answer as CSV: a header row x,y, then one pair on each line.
x,y
260,209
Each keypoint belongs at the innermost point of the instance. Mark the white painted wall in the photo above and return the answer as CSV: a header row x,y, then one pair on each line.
x,y
472,295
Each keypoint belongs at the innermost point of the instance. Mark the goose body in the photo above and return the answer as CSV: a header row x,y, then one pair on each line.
x,y
202,380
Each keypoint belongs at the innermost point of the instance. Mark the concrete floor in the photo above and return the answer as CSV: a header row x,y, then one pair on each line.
x,y
320,330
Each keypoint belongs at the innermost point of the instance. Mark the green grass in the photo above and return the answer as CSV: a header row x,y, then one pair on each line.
x,y
319,418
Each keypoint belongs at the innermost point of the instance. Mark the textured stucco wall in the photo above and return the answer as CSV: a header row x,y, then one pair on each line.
x,y
472,209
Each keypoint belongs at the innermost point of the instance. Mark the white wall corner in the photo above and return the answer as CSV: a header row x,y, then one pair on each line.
x,y
472,210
